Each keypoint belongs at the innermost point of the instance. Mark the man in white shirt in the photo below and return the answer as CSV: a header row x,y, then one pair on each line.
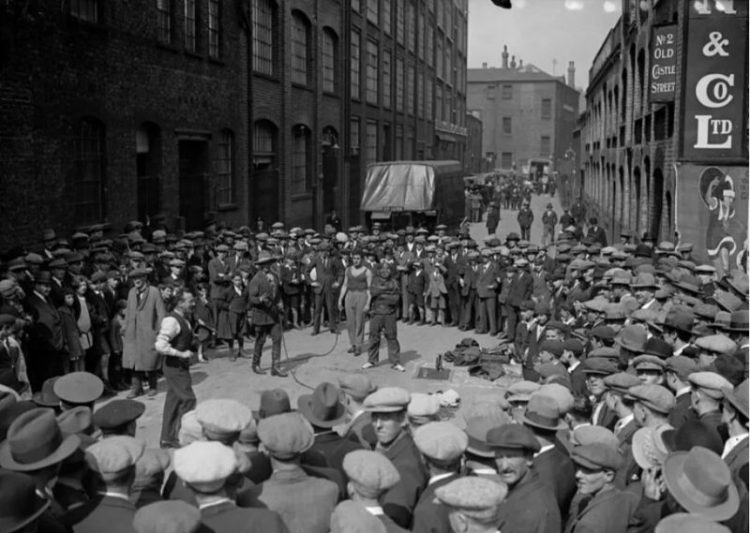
x,y
174,341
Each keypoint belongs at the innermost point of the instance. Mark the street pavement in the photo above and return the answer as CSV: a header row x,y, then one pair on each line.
x,y
324,358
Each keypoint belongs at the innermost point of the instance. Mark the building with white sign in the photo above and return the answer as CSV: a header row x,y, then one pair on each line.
x,y
666,109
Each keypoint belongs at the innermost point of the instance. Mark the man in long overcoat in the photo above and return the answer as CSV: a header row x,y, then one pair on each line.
x,y
143,315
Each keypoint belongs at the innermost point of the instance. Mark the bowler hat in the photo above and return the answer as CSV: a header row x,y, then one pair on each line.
x,y
34,441
679,319
701,483
322,408
19,503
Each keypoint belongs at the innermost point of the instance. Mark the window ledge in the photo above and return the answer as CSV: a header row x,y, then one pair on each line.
x,y
302,196
216,61
190,53
167,46
331,95
269,77
227,207
97,27
300,86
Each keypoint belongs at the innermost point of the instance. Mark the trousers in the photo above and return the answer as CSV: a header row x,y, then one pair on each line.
x,y
261,333
325,299
488,314
180,397
387,325
354,304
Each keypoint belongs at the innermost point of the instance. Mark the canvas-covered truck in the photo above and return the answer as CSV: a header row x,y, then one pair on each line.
x,y
414,193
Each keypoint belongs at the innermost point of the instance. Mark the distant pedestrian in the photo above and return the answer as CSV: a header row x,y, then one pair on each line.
x,y
525,219
549,222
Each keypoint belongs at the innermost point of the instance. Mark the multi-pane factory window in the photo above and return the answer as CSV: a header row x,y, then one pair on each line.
x,y
89,177
191,37
300,46
264,14
399,84
387,67
300,159
354,64
224,166
372,72
371,141
214,28
329,61
164,20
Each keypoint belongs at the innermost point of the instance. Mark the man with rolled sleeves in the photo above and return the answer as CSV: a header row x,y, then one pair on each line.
x,y
174,342
112,461
602,507
204,467
371,475
530,505
387,407
442,446
472,503
305,503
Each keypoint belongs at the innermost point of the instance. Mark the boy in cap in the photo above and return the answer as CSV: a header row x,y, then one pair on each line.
x,y
204,467
305,503
371,475
472,504
387,407
442,446
608,508
530,505
112,462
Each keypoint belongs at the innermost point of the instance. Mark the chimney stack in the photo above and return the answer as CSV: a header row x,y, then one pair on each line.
x,y
572,74
505,56
484,65
513,62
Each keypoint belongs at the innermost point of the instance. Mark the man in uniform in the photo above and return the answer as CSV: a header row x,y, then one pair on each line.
x,y
174,343
387,407
265,299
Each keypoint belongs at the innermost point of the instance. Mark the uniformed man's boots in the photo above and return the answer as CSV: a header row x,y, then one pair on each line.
x,y
256,364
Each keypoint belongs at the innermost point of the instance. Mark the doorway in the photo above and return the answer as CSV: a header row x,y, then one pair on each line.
x,y
194,167
148,170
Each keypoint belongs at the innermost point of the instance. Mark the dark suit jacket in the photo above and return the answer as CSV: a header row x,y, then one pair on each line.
x,y
556,470
681,412
610,511
486,281
229,517
578,381
360,430
334,448
529,506
431,517
399,501
45,333
738,460
217,271
597,234
326,272
263,313
105,513
520,289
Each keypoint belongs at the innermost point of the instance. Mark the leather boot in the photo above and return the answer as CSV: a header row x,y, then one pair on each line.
x,y
136,388
276,371
256,364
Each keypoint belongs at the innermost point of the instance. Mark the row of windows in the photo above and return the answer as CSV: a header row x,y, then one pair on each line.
x,y
381,143
89,180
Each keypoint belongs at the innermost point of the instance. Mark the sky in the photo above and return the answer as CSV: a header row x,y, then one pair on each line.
x,y
540,31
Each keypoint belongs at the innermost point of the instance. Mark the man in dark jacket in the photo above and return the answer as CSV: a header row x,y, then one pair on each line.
x,y
596,233
525,219
329,274
265,300
549,222
385,293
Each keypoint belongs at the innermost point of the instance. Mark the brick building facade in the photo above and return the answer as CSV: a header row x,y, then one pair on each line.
x,y
225,110
113,111
526,112
628,169
475,160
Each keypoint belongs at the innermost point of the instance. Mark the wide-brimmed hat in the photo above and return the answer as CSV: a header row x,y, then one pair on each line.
x,y
701,483
47,397
738,321
19,503
322,408
679,319
543,412
649,449
35,441
738,397
264,258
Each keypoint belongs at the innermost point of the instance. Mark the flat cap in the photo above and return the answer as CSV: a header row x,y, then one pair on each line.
x,y
79,388
423,406
221,417
711,383
441,441
273,402
621,382
521,391
605,352
113,456
681,365
717,343
474,496
358,386
648,362
204,464
352,517
286,435
599,365
387,399
372,471
655,397
597,456
514,437
118,413
590,434
560,393
573,345
552,346
602,332
170,516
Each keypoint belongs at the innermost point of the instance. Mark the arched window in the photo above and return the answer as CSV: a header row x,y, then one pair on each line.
x,y
224,168
300,46
330,60
264,143
265,41
89,179
300,182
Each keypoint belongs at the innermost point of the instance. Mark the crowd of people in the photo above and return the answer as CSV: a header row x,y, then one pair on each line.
x,y
630,413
